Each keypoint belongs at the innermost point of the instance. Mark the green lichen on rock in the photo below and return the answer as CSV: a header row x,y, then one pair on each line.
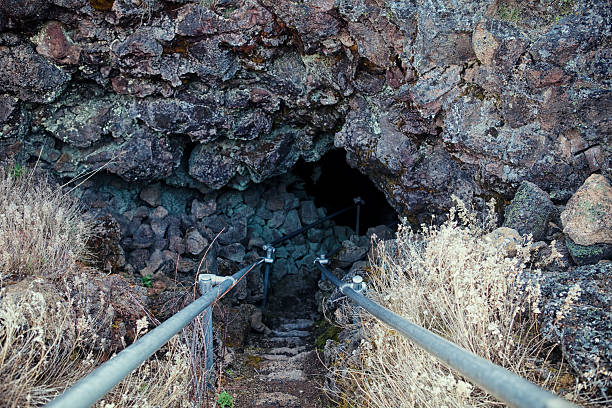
x,y
588,254
509,13
330,332
530,211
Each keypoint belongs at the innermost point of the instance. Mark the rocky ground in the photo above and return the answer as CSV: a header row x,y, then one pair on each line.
x,y
279,368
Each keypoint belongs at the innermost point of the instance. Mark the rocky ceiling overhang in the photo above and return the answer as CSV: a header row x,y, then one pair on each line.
x,y
427,98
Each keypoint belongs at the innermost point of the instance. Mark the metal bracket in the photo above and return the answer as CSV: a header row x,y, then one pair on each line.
x,y
206,281
358,285
270,250
321,259
358,200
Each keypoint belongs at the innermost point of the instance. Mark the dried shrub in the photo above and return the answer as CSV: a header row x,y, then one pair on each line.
x,y
54,327
162,381
456,282
42,231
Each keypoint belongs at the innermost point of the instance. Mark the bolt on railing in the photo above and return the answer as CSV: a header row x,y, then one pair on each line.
x,y
94,386
499,382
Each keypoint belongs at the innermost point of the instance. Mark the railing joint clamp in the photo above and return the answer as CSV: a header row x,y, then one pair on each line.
x,y
321,259
270,250
207,281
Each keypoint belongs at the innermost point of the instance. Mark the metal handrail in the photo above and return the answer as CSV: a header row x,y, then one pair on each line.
x,y
94,386
499,382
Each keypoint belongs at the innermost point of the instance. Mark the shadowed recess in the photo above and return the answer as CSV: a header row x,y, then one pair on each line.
x,y
334,184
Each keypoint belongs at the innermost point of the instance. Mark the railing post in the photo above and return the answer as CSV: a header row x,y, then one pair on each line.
x,y
205,281
360,287
268,260
358,201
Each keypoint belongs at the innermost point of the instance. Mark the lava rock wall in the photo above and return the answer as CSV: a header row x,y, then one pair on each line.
x,y
427,98
169,233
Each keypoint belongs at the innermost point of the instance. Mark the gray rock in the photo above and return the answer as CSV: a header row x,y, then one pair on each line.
x,y
143,157
195,243
382,232
154,264
143,237
582,325
530,211
342,232
264,213
151,194
282,252
138,258
201,209
315,235
242,210
160,244
278,218
211,168
215,222
588,254
252,197
350,253
275,203
235,232
159,213
176,244
292,222
233,252
229,200
29,75
298,251
587,218
308,212
186,265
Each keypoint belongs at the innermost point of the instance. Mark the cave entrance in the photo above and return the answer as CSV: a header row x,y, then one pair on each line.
x,y
334,184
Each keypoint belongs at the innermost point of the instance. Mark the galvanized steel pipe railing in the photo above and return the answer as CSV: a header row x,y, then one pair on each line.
x,y
93,387
499,382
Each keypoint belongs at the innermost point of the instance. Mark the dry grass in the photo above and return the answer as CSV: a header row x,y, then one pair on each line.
x,y
42,231
162,381
453,281
53,327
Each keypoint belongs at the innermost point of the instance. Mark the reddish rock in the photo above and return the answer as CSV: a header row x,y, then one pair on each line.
x,y
8,105
498,44
196,19
54,44
370,44
587,218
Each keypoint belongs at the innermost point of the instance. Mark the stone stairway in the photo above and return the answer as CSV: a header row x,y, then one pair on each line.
x,y
280,368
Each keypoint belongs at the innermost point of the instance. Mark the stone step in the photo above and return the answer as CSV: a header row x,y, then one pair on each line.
x,y
283,357
291,333
287,351
296,324
284,375
276,400
279,363
287,342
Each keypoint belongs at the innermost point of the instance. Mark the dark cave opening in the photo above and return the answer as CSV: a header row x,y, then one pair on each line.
x,y
334,184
